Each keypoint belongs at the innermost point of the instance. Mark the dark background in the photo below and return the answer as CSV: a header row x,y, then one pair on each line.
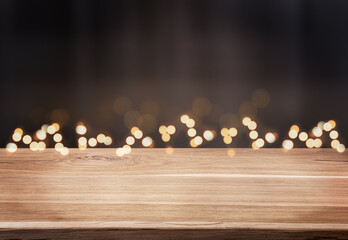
x,y
81,55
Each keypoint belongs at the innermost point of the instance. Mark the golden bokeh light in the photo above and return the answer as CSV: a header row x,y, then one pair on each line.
x,y
171,129
138,134
64,151
162,129
33,146
81,129
41,146
27,139
270,137
253,134
334,134
260,143
335,143
317,132
191,132
252,125
303,136
108,141
147,141
101,138
40,134
190,123
208,135
130,140
332,123
82,147
92,142
233,132
227,139
82,141
295,128
184,118
293,133
198,140
58,147
16,137
341,148
19,131
224,132
126,149
120,152
11,147
57,137
287,144
246,121
317,142
51,130
310,143
166,137
56,126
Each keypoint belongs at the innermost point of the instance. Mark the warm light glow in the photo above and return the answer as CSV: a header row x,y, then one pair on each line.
x,y
82,147
332,123
192,143
92,142
171,129
270,137
191,132
253,134
208,135
27,139
19,131
317,142
287,144
317,132
293,133
101,138
224,132
126,149
51,129
310,143
227,139
11,147
82,141
162,129
190,123
64,151
231,152
169,150
108,141
41,146
57,137
184,118
232,132
252,125
333,134
327,126
198,140
321,125
147,141
303,136
81,129
33,146
40,134
166,137
246,121
260,143
341,148
120,152
16,137
130,140
295,128
138,134
335,144
254,146
59,147
56,127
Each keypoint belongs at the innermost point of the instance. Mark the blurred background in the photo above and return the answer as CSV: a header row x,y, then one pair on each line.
x,y
117,64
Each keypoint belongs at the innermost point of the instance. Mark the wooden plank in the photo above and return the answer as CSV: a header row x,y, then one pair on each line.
x,y
190,194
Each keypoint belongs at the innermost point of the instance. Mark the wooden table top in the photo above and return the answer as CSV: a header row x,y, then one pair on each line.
x,y
199,191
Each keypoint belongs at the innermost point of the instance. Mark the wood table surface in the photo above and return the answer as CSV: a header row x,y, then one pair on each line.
x,y
189,194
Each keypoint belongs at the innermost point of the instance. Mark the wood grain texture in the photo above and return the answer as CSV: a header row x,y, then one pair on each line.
x,y
190,194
